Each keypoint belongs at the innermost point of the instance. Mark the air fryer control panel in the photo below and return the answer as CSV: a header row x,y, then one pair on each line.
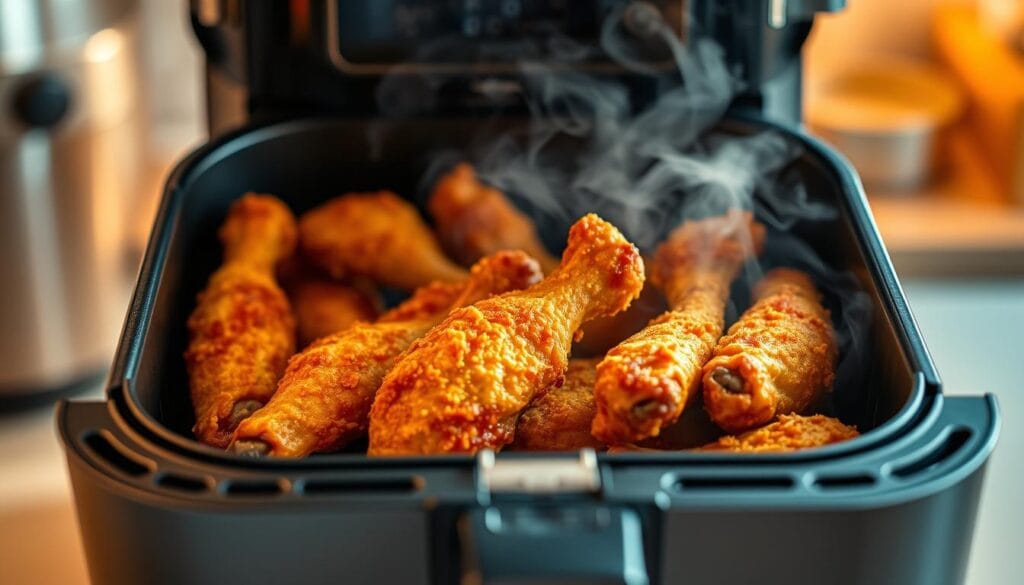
x,y
270,59
494,35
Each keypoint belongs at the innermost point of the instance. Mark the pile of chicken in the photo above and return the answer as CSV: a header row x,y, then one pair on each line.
x,y
480,358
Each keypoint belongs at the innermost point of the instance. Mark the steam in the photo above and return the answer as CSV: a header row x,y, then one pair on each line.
x,y
644,167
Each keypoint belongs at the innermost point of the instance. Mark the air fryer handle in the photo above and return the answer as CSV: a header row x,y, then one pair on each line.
x,y
552,545
977,417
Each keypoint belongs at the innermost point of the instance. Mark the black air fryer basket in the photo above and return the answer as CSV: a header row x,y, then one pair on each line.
x,y
896,505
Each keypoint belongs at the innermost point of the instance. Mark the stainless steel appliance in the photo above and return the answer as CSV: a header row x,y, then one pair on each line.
x,y
69,124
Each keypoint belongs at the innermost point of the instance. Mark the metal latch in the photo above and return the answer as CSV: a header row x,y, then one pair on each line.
x,y
549,475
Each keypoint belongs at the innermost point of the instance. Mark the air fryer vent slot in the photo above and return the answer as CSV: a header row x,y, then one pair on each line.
x,y
321,487
726,483
183,483
831,482
253,488
111,452
940,452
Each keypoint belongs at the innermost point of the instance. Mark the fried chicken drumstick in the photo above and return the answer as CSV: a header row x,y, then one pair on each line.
x,y
377,235
323,401
790,433
323,305
560,419
474,220
242,331
644,383
461,387
778,358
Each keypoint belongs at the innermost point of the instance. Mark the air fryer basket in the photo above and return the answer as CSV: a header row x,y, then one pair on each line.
x,y
893,506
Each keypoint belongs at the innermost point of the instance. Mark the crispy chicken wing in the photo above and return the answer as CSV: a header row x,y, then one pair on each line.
x,y
461,387
242,329
645,382
778,358
789,433
324,399
474,219
323,305
377,235
560,419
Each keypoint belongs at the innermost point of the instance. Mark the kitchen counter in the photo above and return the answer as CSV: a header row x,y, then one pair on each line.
x,y
975,330
960,223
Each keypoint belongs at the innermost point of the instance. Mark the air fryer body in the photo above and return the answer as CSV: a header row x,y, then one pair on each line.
x,y
895,505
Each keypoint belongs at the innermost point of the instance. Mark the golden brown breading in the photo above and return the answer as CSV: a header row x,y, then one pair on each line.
x,y
324,399
789,433
645,382
377,235
778,358
426,301
560,419
474,219
461,387
242,331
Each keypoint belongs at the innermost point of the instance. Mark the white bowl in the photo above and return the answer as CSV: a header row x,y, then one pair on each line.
x,y
887,117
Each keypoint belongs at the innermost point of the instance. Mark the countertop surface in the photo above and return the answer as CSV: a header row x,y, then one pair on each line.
x,y
975,330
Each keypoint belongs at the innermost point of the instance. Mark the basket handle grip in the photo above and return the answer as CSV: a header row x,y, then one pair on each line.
x,y
552,544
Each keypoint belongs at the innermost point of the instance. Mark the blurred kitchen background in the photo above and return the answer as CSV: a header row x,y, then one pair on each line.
x,y
98,99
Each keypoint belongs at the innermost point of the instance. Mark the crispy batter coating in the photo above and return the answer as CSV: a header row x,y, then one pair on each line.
x,y
560,419
645,382
461,387
242,331
377,235
474,220
427,301
790,432
778,358
323,401
323,305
